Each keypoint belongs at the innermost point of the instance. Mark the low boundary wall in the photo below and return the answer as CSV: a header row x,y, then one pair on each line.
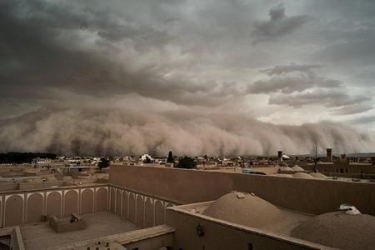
x,y
311,196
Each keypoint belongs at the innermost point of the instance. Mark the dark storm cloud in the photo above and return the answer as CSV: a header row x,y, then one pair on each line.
x,y
366,120
344,34
32,41
278,26
119,77
354,51
355,108
328,98
282,69
291,78
297,85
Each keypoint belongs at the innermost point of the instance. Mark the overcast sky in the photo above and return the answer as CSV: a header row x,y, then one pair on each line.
x,y
218,77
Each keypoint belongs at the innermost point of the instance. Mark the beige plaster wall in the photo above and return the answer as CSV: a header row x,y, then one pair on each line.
x,y
140,209
309,196
14,207
336,166
8,186
22,207
34,207
186,236
188,186
71,203
87,201
171,184
101,199
118,202
152,243
54,204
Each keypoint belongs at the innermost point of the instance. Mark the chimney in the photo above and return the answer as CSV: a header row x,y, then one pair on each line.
x,y
329,154
279,155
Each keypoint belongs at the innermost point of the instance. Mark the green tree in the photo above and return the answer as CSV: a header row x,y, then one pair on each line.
x,y
186,162
103,163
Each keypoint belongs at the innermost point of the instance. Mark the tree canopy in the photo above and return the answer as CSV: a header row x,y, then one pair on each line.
x,y
186,162
103,163
21,157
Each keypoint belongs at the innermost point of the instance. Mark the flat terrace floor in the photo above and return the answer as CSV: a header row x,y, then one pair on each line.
x,y
37,236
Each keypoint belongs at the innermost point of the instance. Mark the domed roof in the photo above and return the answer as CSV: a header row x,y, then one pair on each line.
x,y
318,175
339,230
297,168
286,169
302,176
245,209
284,175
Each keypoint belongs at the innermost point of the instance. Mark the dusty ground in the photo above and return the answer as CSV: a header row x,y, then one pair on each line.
x,y
39,236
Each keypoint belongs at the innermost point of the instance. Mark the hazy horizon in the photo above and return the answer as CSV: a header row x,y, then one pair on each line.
x,y
195,77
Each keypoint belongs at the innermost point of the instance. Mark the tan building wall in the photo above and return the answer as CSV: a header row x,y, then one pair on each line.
x,y
175,185
308,196
223,235
27,207
343,168
53,205
101,200
140,209
189,186
14,207
87,201
71,203
152,243
35,207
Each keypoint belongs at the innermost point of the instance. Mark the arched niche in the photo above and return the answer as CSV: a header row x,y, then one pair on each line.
x,y
125,205
159,213
13,210
54,204
132,212
71,203
113,200
140,211
149,213
118,202
101,199
87,201
35,204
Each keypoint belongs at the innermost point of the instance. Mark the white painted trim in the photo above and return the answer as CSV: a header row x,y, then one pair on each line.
x,y
8,196
50,192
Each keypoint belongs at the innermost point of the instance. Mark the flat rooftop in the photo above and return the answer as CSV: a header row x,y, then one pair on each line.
x,y
37,236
